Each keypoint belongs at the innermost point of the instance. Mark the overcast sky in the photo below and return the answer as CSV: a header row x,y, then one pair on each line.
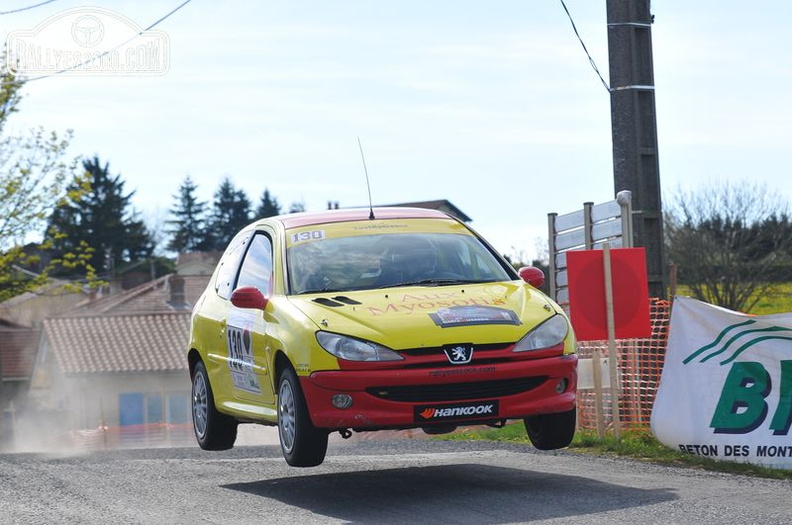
x,y
491,105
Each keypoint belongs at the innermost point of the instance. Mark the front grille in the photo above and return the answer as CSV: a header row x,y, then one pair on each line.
x,y
438,350
457,391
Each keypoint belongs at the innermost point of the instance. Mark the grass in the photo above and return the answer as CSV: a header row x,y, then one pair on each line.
x,y
775,301
639,446
778,300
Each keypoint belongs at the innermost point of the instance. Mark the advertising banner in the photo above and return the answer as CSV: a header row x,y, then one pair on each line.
x,y
726,387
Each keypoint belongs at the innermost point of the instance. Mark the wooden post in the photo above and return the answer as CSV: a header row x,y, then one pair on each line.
x,y
596,368
612,356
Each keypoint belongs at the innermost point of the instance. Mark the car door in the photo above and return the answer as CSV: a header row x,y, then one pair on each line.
x,y
211,324
246,328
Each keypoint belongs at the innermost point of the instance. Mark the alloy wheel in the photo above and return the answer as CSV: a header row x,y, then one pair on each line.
x,y
286,415
200,404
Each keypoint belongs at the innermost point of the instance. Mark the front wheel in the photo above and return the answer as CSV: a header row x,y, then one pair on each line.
x,y
551,431
213,430
303,444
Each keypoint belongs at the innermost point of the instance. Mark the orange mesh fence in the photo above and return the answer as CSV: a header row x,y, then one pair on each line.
x,y
639,368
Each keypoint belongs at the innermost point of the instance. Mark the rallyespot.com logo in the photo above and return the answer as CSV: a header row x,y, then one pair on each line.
x,y
87,41
456,411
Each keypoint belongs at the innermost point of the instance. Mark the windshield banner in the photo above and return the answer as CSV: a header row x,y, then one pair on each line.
x,y
726,387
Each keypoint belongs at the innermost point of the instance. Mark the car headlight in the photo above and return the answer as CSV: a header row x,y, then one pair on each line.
x,y
546,335
351,349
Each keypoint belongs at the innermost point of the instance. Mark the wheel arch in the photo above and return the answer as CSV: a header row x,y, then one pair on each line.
x,y
193,357
281,363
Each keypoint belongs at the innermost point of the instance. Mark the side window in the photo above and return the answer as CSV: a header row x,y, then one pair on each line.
x,y
257,267
229,264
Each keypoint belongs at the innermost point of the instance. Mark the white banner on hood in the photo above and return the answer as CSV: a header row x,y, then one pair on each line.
x,y
726,387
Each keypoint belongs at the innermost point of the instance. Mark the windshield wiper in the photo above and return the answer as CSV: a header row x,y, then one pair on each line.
x,y
321,290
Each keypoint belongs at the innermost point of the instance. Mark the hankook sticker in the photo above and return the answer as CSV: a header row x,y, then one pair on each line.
x,y
481,409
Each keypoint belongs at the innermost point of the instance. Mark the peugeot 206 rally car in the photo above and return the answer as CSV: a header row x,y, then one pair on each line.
x,y
371,319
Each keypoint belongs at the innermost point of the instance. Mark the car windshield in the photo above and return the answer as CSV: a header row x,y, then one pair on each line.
x,y
387,260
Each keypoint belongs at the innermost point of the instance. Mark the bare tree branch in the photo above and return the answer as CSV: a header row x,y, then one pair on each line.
x,y
730,242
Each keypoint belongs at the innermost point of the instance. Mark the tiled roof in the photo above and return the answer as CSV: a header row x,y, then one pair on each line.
x,y
29,308
209,259
151,342
17,353
153,296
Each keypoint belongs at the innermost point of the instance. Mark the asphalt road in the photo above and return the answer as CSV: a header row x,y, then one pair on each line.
x,y
396,481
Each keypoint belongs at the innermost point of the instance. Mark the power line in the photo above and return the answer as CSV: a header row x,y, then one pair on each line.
x,y
591,60
92,59
165,17
11,12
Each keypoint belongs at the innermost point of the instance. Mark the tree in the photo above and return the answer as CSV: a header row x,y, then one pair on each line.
x,y
34,172
230,213
188,226
729,242
268,206
297,207
103,218
9,95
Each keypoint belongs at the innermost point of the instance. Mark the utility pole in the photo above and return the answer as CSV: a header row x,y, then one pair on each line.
x,y
634,128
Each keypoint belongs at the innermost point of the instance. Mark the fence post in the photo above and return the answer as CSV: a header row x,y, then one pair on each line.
x,y
612,355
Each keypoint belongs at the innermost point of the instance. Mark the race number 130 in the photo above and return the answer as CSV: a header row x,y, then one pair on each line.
x,y
314,235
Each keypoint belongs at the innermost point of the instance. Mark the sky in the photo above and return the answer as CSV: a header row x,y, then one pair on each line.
x,y
490,105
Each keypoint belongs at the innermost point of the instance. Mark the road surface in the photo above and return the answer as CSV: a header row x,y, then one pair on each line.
x,y
378,481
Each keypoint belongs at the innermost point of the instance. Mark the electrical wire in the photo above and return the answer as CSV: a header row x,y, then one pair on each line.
x,y
148,28
591,60
11,12
166,16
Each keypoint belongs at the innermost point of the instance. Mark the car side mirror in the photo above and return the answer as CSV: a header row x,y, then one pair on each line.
x,y
249,297
532,275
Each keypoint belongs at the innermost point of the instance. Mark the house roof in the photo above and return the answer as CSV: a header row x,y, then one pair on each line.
x,y
153,296
197,263
100,344
440,204
29,308
17,353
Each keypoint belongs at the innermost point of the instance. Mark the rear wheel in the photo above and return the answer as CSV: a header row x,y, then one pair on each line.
x,y
213,430
551,431
303,444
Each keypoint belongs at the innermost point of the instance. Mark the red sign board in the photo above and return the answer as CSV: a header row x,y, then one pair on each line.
x,y
587,304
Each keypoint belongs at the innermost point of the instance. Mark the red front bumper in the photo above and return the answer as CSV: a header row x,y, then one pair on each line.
x,y
454,395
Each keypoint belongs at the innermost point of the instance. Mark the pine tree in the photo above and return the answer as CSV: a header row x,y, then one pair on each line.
x,y
230,213
103,218
297,207
268,206
189,223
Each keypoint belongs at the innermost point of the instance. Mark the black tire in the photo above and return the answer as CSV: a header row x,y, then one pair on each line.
x,y
213,430
551,431
303,444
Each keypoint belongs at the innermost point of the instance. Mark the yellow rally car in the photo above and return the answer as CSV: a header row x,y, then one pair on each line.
x,y
371,319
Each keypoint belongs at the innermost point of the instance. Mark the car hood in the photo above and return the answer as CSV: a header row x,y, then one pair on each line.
x,y
422,316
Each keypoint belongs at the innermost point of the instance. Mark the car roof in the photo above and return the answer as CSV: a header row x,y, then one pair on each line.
x,y
299,220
